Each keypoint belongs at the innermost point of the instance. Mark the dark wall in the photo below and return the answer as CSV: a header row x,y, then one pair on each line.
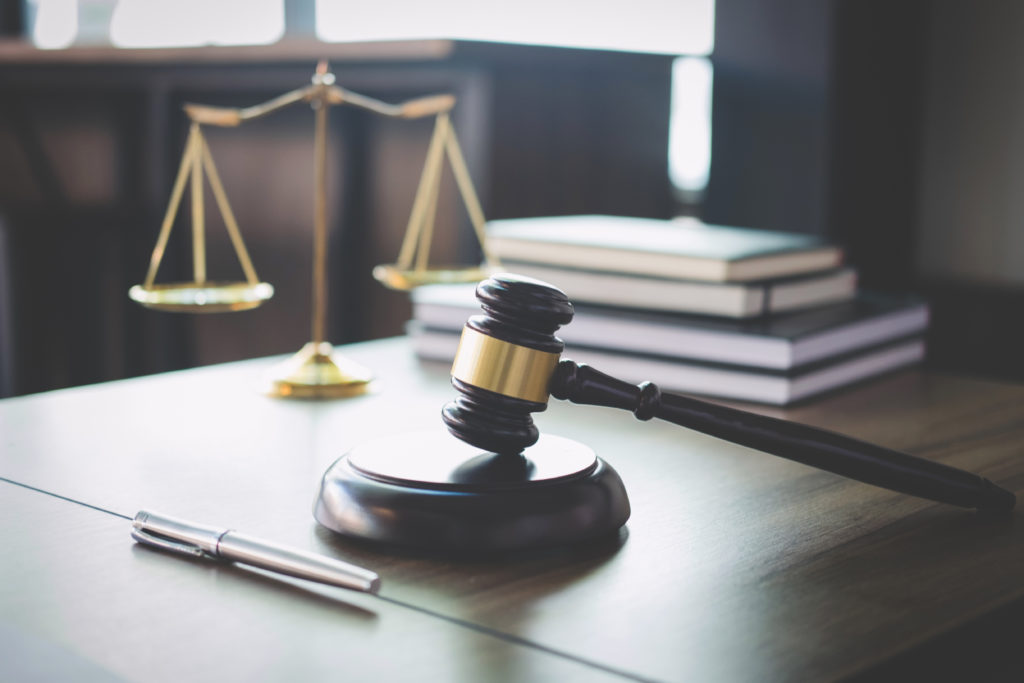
x,y
879,76
12,18
770,127
921,133
590,136
817,116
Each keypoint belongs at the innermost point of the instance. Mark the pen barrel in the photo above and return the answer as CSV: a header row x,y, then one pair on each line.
x,y
837,453
237,547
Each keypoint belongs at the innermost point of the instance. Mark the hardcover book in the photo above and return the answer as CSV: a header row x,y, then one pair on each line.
x,y
684,249
727,299
778,342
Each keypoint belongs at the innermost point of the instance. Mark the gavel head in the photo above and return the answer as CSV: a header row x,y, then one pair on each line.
x,y
505,360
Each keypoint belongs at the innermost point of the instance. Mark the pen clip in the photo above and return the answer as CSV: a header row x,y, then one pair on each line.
x,y
143,536
176,535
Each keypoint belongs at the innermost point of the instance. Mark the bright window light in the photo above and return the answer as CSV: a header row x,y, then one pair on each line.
x,y
56,23
689,136
190,23
679,27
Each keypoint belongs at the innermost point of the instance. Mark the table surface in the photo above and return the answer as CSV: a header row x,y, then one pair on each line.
x,y
735,565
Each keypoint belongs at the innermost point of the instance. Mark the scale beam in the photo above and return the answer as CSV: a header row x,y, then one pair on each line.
x,y
232,117
411,109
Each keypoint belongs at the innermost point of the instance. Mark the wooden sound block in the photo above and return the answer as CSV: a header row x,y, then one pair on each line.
x,y
430,491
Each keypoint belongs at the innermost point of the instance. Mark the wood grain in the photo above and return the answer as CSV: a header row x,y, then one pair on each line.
x,y
734,566
110,609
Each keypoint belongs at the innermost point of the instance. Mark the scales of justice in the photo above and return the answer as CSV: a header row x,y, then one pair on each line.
x,y
316,371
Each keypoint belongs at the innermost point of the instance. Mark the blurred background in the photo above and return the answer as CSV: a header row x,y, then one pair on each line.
x,y
891,128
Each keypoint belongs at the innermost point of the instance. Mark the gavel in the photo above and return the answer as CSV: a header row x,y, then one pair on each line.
x,y
509,362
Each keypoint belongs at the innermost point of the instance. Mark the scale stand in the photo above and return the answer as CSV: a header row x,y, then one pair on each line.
x,y
316,371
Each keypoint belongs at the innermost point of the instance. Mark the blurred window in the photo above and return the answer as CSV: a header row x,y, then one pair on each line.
x,y
682,27
679,27
689,134
53,23
57,24
187,23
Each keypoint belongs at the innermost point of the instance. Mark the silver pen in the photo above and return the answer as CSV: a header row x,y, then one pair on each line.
x,y
226,544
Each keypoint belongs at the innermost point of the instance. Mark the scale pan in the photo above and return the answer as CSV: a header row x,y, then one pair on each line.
x,y
205,297
393,277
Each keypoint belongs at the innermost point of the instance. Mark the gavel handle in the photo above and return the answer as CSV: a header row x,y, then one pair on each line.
x,y
819,448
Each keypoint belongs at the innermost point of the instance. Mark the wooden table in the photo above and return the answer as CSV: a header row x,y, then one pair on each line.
x,y
734,566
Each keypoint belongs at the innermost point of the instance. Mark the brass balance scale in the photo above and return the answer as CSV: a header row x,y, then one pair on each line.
x,y
316,371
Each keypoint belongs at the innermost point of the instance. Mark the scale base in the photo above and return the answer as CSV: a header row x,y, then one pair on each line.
x,y
317,372
430,492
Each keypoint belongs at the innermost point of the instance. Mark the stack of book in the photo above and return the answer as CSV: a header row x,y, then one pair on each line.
x,y
735,313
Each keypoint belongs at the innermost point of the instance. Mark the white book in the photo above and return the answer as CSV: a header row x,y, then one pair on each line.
x,y
683,249
732,300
